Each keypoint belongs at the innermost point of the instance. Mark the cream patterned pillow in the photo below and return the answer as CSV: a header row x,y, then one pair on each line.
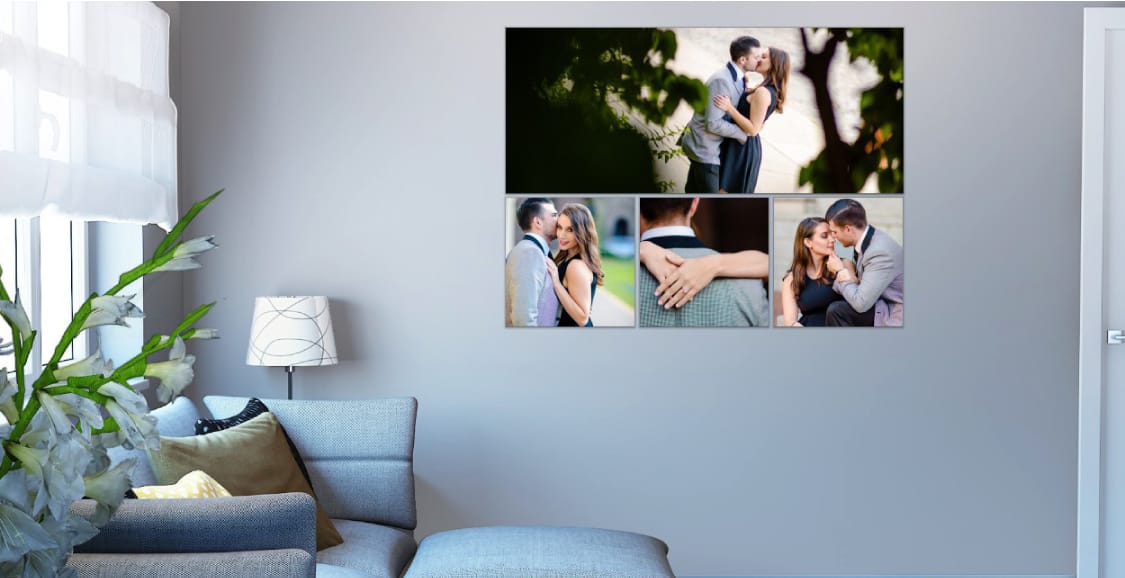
x,y
195,484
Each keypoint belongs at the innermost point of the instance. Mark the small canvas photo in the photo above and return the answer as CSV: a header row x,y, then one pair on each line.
x,y
570,261
704,110
838,262
704,262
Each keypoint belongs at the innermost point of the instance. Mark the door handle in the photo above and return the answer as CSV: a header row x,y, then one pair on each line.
x,y
1115,337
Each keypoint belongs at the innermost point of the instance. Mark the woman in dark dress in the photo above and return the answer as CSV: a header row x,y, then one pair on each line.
x,y
740,163
806,290
577,269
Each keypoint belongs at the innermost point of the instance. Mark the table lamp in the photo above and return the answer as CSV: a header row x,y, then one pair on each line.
x,y
289,332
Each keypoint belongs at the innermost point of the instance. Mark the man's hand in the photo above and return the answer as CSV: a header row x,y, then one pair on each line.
x,y
835,264
658,260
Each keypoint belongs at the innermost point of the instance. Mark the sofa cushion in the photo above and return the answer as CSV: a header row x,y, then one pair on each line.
x,y
540,552
175,419
253,409
370,548
359,453
249,459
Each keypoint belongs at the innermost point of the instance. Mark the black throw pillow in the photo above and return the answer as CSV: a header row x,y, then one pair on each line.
x,y
253,409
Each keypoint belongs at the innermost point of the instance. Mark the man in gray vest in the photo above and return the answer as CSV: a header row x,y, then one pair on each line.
x,y
706,131
529,296
875,298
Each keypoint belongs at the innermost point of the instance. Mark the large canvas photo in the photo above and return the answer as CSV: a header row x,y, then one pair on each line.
x,y
704,110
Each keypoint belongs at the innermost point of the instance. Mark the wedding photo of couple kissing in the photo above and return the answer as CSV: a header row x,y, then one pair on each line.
x,y
636,111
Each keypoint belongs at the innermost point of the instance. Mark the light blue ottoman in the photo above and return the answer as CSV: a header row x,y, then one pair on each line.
x,y
539,552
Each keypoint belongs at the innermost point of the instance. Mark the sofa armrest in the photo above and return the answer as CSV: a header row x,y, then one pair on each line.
x,y
288,563
241,523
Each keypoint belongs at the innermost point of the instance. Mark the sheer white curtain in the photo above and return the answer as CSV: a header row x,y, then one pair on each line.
x,y
87,127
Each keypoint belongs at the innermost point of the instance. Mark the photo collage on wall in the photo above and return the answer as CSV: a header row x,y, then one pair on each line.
x,y
704,177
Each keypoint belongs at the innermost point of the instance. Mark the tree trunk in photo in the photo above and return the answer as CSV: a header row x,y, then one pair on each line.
x,y
836,150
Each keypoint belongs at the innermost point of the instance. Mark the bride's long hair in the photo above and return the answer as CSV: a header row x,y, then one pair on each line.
x,y
803,259
778,75
586,237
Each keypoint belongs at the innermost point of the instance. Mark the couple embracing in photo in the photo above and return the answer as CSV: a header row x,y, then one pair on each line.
x,y
722,143
821,289
546,290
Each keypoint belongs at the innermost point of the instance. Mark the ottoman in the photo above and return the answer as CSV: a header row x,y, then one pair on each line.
x,y
539,552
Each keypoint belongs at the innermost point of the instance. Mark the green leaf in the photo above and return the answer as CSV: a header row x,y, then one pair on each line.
x,y
109,425
177,231
192,318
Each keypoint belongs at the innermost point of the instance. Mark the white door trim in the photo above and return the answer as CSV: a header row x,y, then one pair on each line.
x,y
1092,334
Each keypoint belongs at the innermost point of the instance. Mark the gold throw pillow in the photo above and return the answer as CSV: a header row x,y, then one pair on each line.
x,y
196,484
249,459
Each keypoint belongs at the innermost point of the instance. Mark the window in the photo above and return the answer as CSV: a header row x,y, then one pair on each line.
x,y
44,259
87,127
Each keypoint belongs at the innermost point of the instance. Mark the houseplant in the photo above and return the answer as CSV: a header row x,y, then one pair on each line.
x,y
61,423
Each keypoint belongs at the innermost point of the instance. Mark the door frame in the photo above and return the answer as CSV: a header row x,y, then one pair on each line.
x,y
1092,328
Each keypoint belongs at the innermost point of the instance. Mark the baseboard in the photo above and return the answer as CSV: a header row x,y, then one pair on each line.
x,y
900,576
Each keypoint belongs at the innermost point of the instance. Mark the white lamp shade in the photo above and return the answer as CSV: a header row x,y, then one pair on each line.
x,y
291,331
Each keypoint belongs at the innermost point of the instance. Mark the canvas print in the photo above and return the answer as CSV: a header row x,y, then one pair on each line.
x,y
838,262
704,110
570,262
704,262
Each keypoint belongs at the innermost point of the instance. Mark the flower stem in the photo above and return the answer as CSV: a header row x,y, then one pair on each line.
x,y
17,432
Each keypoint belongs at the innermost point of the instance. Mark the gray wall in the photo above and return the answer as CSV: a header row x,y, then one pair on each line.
x,y
362,151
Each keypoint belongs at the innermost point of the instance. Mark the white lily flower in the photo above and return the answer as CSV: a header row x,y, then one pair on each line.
x,y
14,313
33,459
174,374
132,401
179,264
99,460
74,530
111,310
60,407
7,398
135,430
194,247
39,434
179,349
84,409
92,365
56,412
13,489
22,534
108,489
100,317
68,532
63,475
120,305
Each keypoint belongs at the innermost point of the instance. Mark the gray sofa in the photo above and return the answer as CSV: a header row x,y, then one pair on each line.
x,y
359,455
